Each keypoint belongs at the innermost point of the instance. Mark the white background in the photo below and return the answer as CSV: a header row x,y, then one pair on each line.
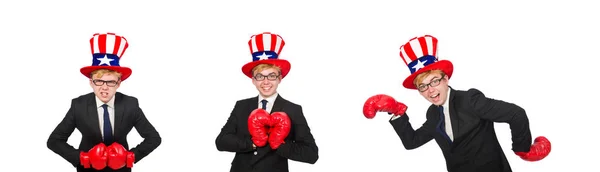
x,y
186,61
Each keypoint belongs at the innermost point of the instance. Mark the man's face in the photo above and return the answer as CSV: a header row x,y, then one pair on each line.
x,y
266,81
105,87
434,88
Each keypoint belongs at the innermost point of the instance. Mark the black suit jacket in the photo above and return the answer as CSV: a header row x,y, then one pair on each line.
x,y
83,116
475,147
234,137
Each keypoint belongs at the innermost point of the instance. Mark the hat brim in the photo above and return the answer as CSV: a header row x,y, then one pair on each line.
x,y
281,63
444,65
125,71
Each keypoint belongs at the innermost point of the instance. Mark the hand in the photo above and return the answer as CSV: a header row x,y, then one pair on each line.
x,y
280,128
96,157
539,150
118,156
258,124
383,103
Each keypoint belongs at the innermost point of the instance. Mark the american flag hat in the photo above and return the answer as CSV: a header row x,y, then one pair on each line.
x,y
266,49
107,50
420,55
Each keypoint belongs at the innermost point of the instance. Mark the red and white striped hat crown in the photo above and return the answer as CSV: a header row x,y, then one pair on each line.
x,y
107,50
266,49
420,55
265,46
108,43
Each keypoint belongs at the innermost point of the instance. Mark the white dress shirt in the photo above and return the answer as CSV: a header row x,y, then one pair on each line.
x,y
270,101
447,121
111,114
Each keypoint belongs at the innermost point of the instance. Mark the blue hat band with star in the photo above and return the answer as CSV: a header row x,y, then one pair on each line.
x,y
100,59
421,62
264,55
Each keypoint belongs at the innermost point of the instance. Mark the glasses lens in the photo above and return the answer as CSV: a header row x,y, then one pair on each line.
x,y
111,83
422,88
259,77
435,82
272,77
98,82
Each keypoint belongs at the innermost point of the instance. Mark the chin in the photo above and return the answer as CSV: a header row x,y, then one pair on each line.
x,y
435,103
267,94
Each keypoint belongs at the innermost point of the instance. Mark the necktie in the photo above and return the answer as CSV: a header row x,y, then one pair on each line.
x,y
264,104
107,128
442,125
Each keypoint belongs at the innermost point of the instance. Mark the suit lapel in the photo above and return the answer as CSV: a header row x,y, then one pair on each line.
x,y
278,105
454,117
92,116
252,105
119,115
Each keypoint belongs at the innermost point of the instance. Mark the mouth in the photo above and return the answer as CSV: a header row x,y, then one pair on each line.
x,y
104,94
435,97
266,88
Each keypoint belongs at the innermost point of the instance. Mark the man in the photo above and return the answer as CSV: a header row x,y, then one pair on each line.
x,y
461,122
293,142
104,117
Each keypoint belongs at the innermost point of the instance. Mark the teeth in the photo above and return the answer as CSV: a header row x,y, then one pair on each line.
x,y
434,96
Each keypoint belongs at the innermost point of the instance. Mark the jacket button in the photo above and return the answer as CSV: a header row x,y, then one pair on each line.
x,y
255,153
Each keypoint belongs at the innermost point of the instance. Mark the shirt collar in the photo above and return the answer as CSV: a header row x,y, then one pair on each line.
x,y
269,99
111,102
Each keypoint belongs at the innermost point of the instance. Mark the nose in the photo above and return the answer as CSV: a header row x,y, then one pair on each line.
x,y
104,87
429,89
265,81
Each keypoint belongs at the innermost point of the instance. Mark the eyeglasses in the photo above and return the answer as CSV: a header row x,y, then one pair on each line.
x,y
433,83
98,82
270,77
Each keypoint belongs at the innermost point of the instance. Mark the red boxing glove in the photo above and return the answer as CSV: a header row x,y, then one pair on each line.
x,y
84,159
258,126
280,128
539,150
383,103
118,156
96,157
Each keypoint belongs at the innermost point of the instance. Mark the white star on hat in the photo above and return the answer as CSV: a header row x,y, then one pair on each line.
x,y
419,65
105,60
264,56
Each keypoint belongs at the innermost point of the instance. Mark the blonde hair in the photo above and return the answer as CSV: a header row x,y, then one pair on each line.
x,y
423,75
261,67
101,72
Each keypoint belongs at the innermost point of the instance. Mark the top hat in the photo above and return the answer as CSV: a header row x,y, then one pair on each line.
x,y
420,55
107,50
265,49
